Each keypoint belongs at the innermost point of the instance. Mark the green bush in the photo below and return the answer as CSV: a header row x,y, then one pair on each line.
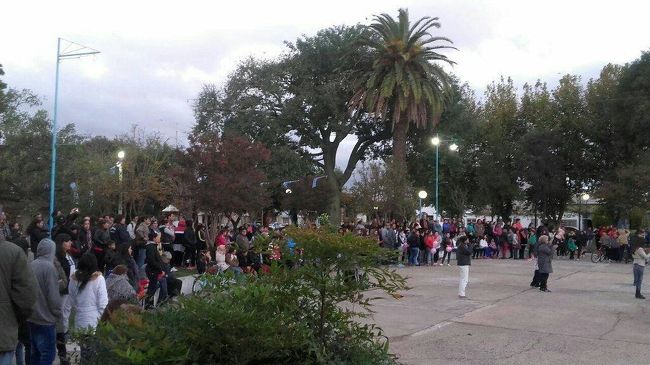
x,y
295,314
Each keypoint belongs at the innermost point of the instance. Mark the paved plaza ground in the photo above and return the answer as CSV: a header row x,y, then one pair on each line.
x,y
590,317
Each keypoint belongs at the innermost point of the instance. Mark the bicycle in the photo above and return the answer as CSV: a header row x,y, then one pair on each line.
x,y
600,255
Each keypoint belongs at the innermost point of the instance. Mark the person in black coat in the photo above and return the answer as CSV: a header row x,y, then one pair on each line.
x,y
190,244
36,231
154,268
118,231
464,259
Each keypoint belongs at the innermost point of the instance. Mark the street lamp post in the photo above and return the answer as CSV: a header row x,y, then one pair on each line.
x,y
422,195
453,147
120,156
583,198
73,50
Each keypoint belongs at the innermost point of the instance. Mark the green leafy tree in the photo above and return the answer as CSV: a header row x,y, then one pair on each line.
x,y
404,85
299,103
556,160
499,147
458,178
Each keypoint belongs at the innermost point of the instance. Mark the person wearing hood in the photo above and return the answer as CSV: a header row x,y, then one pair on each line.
x,y
47,310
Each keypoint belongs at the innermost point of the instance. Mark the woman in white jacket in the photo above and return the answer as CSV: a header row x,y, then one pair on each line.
x,y
87,293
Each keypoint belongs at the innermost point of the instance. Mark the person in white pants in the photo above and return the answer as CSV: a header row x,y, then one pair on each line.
x,y
464,260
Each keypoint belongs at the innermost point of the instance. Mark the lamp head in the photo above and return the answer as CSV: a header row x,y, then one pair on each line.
x,y
121,155
585,197
453,147
422,194
435,141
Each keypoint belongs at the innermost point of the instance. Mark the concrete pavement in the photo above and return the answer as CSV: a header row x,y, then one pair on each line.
x,y
590,317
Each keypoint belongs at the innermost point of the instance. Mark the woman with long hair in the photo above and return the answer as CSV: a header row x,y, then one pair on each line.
x,y
87,291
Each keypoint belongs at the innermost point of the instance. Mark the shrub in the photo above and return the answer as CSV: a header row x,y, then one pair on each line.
x,y
305,310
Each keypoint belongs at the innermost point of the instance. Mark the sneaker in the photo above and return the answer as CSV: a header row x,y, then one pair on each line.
x,y
173,269
639,296
400,265
545,290
448,265
441,264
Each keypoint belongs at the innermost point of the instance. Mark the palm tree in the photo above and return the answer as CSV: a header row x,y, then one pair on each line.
x,y
404,84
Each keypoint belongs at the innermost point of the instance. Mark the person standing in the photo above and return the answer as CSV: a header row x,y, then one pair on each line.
x,y
544,264
47,310
464,260
130,228
18,291
141,234
67,264
100,241
640,257
413,242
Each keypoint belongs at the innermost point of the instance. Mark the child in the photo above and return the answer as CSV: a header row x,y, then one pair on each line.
x,y
532,242
483,246
571,245
476,248
494,249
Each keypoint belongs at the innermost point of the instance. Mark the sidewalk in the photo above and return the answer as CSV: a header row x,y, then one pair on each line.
x,y
591,316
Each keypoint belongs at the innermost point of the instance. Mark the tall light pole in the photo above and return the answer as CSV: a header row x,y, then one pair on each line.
x,y
73,50
453,147
120,156
583,198
422,195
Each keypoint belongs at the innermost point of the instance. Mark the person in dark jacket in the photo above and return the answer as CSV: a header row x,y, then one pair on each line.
x,y
65,261
125,257
100,240
464,259
413,242
17,296
154,268
190,245
544,258
118,231
36,231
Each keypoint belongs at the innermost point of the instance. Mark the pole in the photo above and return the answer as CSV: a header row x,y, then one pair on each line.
x,y
120,209
580,214
437,204
420,207
54,135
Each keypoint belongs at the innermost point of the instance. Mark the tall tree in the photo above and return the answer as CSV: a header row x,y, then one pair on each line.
x,y
459,123
404,85
499,148
300,101
225,176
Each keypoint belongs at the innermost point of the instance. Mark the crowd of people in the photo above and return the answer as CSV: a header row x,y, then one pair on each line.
x,y
85,268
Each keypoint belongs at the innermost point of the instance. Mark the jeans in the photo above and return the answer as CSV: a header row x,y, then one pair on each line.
x,y
429,255
464,279
415,252
6,358
43,342
142,255
20,354
638,275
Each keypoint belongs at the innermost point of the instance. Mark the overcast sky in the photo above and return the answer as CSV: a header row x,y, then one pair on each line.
x,y
155,55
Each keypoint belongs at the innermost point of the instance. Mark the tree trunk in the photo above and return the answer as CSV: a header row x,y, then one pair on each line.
x,y
399,141
334,209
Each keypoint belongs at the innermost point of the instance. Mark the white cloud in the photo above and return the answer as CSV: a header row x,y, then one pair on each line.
x,y
157,54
